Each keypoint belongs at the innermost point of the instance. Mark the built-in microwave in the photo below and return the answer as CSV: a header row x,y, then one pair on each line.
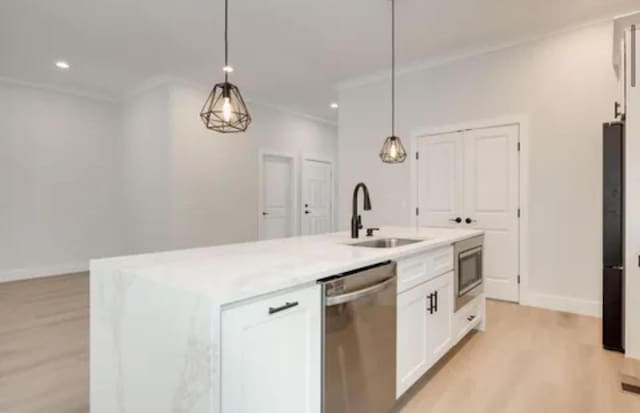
x,y
468,270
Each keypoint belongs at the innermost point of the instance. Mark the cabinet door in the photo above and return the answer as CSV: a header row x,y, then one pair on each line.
x,y
271,354
412,357
440,318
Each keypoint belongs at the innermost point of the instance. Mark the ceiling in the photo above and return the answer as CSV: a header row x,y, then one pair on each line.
x,y
290,53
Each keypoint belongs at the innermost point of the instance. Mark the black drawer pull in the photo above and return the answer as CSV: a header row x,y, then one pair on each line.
x,y
430,308
471,318
273,310
436,300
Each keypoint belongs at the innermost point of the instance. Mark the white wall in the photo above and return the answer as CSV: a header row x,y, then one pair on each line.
x,y
145,170
83,178
58,206
566,86
206,184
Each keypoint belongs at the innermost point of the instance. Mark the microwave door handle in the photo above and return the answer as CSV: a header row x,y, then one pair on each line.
x,y
469,253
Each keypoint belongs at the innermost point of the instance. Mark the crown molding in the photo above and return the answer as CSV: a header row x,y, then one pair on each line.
x,y
153,83
625,15
58,90
426,64
168,81
293,112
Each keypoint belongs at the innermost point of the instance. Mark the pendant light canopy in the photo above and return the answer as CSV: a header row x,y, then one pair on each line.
x,y
393,151
225,110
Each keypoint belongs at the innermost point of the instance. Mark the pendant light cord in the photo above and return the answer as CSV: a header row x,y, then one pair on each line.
x,y
226,39
393,68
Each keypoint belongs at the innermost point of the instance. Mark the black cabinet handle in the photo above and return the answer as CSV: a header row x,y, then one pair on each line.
x,y
273,310
456,220
436,300
471,318
430,309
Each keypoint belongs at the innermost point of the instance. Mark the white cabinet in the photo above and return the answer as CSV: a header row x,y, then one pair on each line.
x,y
440,317
425,315
412,358
419,268
471,316
271,354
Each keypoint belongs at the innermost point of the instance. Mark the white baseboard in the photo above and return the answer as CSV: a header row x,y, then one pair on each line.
x,y
632,355
42,271
561,303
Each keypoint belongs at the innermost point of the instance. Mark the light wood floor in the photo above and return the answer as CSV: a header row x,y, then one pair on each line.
x,y
529,360
44,345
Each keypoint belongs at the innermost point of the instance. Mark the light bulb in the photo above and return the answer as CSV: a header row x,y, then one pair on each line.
x,y
227,109
393,151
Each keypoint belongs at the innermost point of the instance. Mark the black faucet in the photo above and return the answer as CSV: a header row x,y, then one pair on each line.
x,y
356,220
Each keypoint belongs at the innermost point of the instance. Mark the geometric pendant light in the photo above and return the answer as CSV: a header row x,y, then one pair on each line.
x,y
393,151
224,110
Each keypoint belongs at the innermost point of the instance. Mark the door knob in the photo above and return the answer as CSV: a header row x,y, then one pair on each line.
x,y
469,220
307,212
265,213
456,220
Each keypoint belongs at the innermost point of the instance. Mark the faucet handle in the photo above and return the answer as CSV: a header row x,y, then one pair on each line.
x,y
371,230
359,221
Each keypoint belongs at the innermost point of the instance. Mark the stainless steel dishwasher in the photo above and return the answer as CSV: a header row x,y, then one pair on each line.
x,y
359,374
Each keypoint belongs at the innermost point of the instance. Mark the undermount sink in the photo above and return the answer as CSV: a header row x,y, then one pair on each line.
x,y
386,243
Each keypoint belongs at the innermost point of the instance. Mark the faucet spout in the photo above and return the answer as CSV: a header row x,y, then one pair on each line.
x,y
356,220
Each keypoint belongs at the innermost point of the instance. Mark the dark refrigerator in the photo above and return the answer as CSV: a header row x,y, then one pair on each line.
x,y
613,237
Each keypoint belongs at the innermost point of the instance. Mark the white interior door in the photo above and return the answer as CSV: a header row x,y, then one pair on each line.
x,y
440,180
491,194
471,180
317,205
276,217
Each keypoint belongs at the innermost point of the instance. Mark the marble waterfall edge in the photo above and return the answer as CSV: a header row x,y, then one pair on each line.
x,y
153,348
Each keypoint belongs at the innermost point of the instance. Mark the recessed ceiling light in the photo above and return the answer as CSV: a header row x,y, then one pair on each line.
x,y
61,64
334,105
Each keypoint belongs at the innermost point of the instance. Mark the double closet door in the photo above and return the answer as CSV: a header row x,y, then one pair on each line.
x,y
470,180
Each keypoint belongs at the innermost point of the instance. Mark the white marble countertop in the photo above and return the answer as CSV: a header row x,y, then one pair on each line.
x,y
234,272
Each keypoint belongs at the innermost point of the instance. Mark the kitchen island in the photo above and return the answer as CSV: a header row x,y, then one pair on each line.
x,y
163,325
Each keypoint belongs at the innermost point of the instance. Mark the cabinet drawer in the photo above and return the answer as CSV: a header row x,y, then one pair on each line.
x,y
423,267
468,317
441,260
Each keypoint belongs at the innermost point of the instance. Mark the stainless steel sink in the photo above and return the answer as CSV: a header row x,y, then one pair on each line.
x,y
386,243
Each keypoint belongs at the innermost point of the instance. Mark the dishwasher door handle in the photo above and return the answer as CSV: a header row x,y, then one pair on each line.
x,y
345,298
